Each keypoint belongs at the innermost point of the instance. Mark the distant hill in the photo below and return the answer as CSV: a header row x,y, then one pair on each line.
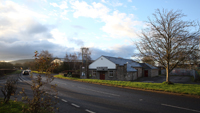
x,y
22,61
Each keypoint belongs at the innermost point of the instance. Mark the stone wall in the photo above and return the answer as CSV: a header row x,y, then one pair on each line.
x,y
121,72
139,72
131,76
108,77
154,72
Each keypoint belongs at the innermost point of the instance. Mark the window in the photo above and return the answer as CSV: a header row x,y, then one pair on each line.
x,y
110,73
93,73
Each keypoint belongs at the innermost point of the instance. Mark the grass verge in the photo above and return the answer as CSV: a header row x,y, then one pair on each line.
x,y
38,72
11,107
16,72
191,89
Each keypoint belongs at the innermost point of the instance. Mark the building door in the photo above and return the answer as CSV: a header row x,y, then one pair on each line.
x,y
146,73
102,75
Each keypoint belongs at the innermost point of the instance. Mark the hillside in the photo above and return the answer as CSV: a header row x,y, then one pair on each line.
x,y
22,61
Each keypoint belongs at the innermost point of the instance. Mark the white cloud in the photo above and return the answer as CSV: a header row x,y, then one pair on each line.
x,y
20,23
103,1
129,0
117,24
96,10
62,6
58,37
120,25
115,4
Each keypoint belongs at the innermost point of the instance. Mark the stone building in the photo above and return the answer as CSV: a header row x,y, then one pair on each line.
x,y
149,70
111,68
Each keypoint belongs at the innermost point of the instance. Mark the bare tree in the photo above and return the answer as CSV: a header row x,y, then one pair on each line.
x,y
168,39
72,60
148,60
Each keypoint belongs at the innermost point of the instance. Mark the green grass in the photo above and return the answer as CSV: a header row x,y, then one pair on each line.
x,y
191,89
16,72
11,107
38,72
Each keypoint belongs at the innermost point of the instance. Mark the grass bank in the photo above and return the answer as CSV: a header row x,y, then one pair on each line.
x,y
38,72
11,107
16,72
191,89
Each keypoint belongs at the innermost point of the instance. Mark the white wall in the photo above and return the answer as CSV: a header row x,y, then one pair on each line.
x,y
102,62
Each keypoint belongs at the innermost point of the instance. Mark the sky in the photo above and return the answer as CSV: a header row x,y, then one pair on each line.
x,y
106,27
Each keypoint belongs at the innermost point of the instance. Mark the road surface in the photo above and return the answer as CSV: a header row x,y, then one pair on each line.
x,y
79,97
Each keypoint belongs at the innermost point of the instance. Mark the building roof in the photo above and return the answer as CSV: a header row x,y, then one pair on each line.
x,y
148,66
120,61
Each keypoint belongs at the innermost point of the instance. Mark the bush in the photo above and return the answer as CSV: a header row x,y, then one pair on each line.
x,y
9,88
41,102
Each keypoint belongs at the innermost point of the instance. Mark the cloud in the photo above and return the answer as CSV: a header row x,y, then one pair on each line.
x,y
113,3
134,8
116,4
62,6
96,10
120,25
77,27
117,25
77,41
25,50
124,51
22,32
19,23
129,0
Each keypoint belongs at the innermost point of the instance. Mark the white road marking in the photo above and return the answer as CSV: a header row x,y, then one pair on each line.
x,y
64,100
56,97
99,91
181,108
89,111
141,99
75,105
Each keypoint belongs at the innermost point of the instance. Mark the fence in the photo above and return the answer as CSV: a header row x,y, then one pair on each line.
x,y
182,72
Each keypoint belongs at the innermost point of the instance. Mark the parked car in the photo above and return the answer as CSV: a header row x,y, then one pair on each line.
x,y
25,72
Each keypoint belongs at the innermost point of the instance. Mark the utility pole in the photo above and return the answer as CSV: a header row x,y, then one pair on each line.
x,y
85,51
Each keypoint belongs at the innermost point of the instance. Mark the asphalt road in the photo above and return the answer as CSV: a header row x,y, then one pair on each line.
x,y
79,97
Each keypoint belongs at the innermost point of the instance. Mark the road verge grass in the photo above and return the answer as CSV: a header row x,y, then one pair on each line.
x,y
190,89
16,72
39,72
11,107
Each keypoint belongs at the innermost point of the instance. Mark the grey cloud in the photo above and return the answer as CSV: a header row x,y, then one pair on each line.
x,y
8,39
77,41
35,28
4,22
124,52
25,50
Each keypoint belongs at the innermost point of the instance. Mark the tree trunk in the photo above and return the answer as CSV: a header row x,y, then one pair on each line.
x,y
167,74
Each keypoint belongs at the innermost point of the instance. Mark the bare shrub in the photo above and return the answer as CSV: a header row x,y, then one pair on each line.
x,y
9,88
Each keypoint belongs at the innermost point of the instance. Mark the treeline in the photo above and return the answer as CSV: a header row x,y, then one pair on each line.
x,y
71,61
6,65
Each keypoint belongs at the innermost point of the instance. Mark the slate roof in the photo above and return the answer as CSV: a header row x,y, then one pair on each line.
x,y
120,61
148,66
